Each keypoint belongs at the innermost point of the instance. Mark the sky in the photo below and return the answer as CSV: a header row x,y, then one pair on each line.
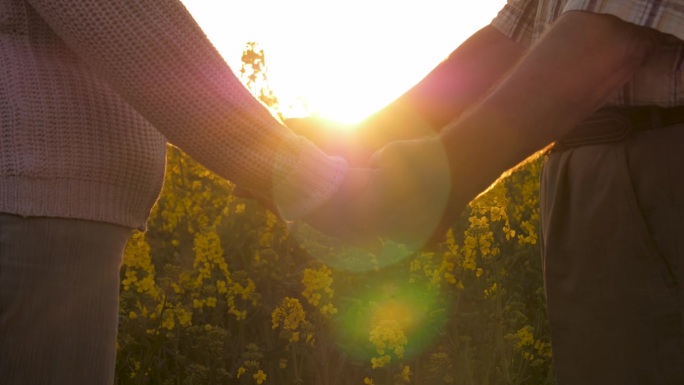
x,y
346,59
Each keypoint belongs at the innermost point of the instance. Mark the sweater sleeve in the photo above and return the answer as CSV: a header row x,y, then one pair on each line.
x,y
158,59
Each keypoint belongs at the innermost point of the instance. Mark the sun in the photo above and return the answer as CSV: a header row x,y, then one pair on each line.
x,y
341,60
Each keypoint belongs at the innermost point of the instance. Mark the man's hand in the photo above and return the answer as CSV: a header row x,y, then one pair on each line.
x,y
348,213
415,177
403,199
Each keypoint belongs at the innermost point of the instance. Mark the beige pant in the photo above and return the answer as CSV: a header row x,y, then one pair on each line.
x,y
59,286
613,248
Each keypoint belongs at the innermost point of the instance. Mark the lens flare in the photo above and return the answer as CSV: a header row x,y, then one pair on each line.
x,y
340,255
405,199
389,316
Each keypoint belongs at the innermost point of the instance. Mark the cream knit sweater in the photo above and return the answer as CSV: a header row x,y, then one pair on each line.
x,y
91,89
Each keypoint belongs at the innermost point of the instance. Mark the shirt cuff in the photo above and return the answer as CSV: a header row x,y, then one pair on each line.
x,y
312,181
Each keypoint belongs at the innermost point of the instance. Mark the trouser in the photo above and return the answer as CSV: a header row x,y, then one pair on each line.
x,y
612,237
59,293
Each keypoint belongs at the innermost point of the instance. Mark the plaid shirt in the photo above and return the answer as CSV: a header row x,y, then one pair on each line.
x,y
660,81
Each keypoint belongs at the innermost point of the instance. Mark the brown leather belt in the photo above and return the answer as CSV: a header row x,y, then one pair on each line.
x,y
615,124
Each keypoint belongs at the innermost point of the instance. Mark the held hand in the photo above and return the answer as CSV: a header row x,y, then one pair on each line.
x,y
357,142
340,222
369,214
414,183
349,213
406,198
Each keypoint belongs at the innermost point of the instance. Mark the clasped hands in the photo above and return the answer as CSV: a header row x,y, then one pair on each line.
x,y
402,192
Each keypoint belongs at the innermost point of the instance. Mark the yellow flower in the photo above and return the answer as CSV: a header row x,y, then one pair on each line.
x,y
406,373
221,287
198,303
168,322
379,362
289,314
317,288
368,381
240,371
260,377
525,336
388,334
184,317
491,291
496,213
294,337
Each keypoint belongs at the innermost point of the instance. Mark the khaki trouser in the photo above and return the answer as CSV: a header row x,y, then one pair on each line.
x,y
613,249
59,287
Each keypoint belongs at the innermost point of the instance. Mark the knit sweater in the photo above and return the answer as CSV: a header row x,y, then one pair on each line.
x,y
90,90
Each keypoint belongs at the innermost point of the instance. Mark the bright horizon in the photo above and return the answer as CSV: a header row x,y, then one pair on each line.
x,y
345,59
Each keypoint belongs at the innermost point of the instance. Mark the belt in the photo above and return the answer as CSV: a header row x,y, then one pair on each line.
x,y
614,124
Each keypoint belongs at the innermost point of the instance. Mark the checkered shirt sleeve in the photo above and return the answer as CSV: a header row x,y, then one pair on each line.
x,y
660,80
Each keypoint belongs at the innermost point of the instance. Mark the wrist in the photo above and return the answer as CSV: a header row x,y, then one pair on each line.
x,y
311,182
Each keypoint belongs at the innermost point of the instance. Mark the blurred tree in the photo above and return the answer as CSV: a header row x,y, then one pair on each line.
x,y
254,74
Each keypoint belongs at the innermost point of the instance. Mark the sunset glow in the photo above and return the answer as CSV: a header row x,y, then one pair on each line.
x,y
345,59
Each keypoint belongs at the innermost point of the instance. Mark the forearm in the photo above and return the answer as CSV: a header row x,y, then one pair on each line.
x,y
581,60
153,54
449,89
464,77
